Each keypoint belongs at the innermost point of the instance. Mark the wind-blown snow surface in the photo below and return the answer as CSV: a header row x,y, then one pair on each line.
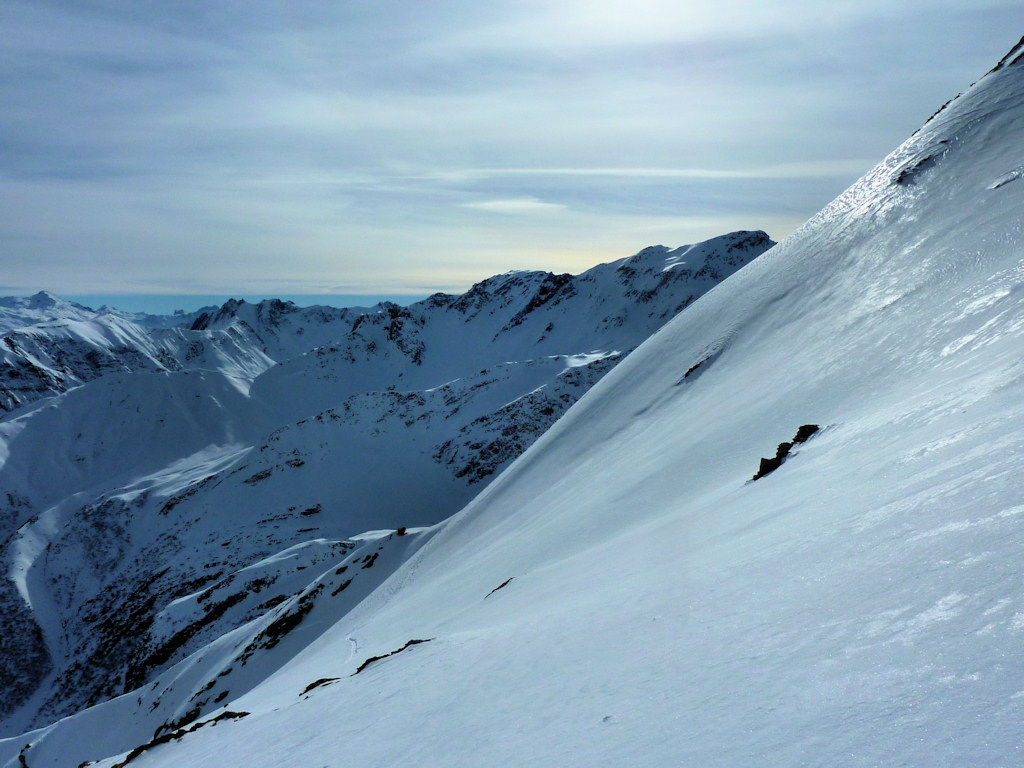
x,y
862,605
149,513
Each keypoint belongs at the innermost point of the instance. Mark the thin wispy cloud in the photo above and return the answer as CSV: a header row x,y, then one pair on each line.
x,y
807,170
517,206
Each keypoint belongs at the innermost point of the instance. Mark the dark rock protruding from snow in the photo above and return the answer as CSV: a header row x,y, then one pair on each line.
x,y
770,465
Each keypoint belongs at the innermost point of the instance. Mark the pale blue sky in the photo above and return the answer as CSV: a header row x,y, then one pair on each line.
x,y
257,147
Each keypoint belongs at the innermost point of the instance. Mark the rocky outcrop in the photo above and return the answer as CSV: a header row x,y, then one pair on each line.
x,y
805,433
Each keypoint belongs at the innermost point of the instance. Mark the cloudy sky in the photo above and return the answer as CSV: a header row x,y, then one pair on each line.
x,y
400,147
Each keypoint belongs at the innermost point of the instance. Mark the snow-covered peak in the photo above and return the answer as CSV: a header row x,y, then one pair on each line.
x,y
43,300
219,316
22,311
718,250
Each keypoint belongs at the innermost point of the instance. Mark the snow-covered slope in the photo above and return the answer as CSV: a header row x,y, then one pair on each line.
x,y
54,356
146,508
625,594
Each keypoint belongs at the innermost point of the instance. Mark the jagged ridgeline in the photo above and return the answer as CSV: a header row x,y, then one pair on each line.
x,y
167,480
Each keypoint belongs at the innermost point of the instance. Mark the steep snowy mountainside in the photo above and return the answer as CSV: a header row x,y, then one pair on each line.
x,y
625,593
130,495
54,355
49,456
57,475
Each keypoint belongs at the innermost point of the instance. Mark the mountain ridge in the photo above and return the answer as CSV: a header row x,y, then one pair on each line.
x,y
380,423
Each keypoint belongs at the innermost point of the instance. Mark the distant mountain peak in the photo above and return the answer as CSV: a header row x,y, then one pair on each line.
x,y
43,300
